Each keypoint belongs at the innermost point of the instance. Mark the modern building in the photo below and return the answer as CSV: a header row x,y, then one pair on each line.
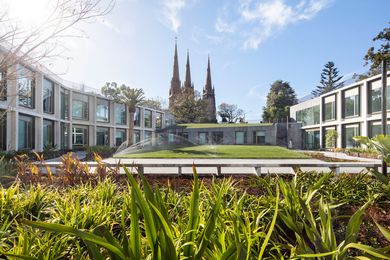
x,y
239,134
208,93
39,109
352,110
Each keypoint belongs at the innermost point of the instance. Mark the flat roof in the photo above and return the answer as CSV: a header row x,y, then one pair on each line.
x,y
206,125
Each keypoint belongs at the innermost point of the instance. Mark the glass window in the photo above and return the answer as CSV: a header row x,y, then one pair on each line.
x,y
351,102
259,137
80,107
3,130
375,98
309,116
64,104
349,131
64,129
137,117
48,96
312,139
120,114
375,128
80,136
120,136
240,137
203,138
26,87
137,136
26,132
148,118
159,120
147,135
332,143
330,108
102,136
217,137
102,110
48,134
3,86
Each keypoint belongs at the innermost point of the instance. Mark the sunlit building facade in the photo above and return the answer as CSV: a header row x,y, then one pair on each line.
x,y
352,110
40,110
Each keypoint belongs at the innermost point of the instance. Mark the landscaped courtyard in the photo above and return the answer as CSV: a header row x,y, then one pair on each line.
x,y
218,151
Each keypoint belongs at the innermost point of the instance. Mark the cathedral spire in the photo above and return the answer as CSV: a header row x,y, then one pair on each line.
x,y
209,96
175,88
208,88
187,83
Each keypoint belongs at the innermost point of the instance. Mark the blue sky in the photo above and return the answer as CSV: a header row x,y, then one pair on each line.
x,y
251,43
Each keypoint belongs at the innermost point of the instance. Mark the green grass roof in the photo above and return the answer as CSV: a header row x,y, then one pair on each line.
x,y
200,125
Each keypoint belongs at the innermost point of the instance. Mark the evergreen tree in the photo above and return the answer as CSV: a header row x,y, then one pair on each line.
x,y
188,108
330,80
279,99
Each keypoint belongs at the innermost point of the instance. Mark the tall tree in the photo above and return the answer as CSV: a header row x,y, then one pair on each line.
x,y
153,103
128,96
230,112
279,99
330,80
375,55
188,107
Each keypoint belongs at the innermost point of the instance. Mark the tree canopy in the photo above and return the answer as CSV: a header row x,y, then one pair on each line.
x,y
188,108
279,99
230,112
124,94
330,80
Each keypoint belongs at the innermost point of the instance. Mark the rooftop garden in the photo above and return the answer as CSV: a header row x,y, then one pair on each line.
x,y
202,125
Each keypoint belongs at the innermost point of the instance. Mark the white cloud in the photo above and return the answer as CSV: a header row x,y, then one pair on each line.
x,y
259,20
171,10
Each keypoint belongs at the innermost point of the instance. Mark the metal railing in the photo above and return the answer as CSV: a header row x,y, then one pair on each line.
x,y
335,167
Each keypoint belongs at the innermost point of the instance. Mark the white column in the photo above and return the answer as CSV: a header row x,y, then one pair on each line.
x,y
339,118
12,130
364,109
38,133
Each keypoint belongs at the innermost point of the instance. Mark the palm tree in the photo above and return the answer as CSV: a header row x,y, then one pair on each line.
x,y
128,96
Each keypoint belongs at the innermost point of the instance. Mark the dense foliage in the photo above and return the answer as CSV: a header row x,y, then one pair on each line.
x,y
311,215
230,113
279,99
188,108
330,80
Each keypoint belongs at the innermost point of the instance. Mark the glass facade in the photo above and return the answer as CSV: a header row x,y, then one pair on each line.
x,y
159,117
332,143
240,137
102,136
48,134
64,104
312,139
64,135
26,87
203,138
80,136
48,96
120,136
349,131
26,134
137,117
102,110
259,137
120,114
80,107
309,116
148,118
351,102
148,135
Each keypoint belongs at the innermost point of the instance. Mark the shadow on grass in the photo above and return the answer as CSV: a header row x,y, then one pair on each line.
x,y
196,152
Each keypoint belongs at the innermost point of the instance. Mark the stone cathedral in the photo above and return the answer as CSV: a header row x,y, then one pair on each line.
x,y
176,88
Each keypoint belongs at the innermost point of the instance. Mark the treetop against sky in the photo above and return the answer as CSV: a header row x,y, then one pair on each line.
x,y
251,44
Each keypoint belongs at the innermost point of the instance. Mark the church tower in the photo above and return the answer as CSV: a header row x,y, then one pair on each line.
x,y
209,97
188,85
175,81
